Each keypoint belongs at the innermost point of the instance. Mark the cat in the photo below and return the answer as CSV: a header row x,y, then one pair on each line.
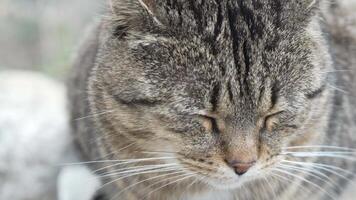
x,y
218,99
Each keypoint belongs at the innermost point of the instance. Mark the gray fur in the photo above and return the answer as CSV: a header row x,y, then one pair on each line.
x,y
152,75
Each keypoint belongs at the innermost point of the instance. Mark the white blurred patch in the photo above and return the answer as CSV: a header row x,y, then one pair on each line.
x,y
77,183
34,138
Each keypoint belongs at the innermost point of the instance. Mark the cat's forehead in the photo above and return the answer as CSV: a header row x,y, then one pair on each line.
x,y
244,71
210,16
240,45
239,62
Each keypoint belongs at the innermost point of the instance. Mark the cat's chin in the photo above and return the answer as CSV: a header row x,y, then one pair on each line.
x,y
227,184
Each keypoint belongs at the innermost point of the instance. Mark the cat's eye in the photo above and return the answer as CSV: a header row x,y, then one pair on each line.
x,y
210,123
316,93
272,121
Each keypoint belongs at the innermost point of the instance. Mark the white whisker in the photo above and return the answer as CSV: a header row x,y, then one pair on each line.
x,y
186,176
305,180
158,152
135,167
325,167
270,187
312,172
346,155
90,162
334,71
280,177
114,152
112,161
321,147
320,152
143,168
142,172
94,115
145,180
337,89
133,161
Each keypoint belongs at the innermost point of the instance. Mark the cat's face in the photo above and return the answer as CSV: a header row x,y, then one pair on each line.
x,y
224,109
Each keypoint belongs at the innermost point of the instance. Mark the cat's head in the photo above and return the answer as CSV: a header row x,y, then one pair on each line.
x,y
222,86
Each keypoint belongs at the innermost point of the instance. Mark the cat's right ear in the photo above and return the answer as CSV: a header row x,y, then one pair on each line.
x,y
134,15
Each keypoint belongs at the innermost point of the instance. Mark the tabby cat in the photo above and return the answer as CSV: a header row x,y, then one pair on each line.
x,y
218,99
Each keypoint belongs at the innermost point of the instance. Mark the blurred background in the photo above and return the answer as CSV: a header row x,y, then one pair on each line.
x,y
38,42
43,35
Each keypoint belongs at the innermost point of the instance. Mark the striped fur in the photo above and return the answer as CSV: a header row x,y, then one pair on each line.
x,y
207,80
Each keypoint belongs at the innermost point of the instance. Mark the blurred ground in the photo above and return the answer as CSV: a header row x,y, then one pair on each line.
x,y
36,145
42,35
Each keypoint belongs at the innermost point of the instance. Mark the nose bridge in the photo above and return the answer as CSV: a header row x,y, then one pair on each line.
x,y
242,146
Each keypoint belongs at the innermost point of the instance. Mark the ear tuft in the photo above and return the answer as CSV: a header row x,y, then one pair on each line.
x,y
313,4
134,14
149,6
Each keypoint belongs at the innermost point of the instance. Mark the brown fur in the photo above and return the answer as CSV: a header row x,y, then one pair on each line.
x,y
213,83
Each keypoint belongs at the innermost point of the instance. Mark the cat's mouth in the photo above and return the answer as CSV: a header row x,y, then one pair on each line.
x,y
225,183
225,178
229,182
221,175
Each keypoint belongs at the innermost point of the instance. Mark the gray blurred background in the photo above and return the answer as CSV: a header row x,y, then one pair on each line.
x,y
35,142
43,35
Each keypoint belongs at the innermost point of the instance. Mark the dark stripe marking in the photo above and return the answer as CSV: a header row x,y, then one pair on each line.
x,y
316,93
214,100
137,102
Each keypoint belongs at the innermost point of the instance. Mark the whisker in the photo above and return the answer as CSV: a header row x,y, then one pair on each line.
x,y
159,152
264,189
325,167
321,154
134,167
133,161
145,180
337,89
94,115
143,168
186,176
141,173
320,147
153,153
312,173
197,179
334,71
280,177
125,147
114,152
270,187
305,180
90,162
111,161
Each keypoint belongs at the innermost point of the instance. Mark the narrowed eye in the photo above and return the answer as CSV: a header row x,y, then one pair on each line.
x,y
275,122
136,102
316,93
210,123
272,121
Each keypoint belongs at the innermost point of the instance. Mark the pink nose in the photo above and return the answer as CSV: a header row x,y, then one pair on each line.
x,y
239,167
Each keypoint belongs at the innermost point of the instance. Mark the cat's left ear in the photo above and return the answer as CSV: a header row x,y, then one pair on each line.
x,y
310,4
303,10
315,5
135,14
150,7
